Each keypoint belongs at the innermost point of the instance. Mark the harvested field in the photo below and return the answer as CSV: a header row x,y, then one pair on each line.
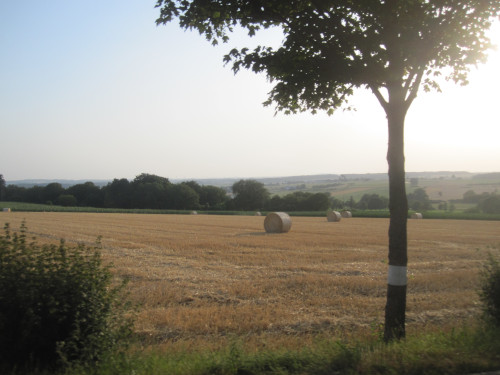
x,y
201,280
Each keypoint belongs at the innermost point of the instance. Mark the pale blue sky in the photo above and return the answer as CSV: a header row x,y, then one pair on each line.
x,y
95,90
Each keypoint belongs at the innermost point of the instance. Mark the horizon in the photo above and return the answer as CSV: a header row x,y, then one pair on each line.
x,y
48,180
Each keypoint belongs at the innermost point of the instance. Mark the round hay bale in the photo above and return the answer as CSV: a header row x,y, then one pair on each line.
x,y
277,222
5,209
194,213
258,213
333,216
417,215
346,214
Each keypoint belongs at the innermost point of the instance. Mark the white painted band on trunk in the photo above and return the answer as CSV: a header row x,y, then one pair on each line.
x,y
397,276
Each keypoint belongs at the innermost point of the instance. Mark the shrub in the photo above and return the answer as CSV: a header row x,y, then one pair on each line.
x,y
66,200
58,304
490,290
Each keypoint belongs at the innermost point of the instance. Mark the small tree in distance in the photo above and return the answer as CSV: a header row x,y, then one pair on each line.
x,y
331,47
249,195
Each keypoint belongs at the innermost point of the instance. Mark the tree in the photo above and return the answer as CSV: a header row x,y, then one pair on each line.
x,y
299,201
2,187
419,200
490,205
212,196
275,204
66,200
15,193
182,197
35,194
117,193
331,47
318,202
193,185
249,195
145,178
292,202
372,202
51,192
150,195
149,191
336,203
87,194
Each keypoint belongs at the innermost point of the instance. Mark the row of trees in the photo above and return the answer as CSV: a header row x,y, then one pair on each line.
x,y
488,203
149,191
155,192
145,191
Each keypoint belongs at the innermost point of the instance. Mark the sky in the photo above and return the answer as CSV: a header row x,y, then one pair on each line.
x,y
95,90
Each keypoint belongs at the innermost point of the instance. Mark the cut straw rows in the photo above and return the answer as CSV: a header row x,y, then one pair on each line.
x,y
200,278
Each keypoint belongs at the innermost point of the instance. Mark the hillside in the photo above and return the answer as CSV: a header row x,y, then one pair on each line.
x,y
444,185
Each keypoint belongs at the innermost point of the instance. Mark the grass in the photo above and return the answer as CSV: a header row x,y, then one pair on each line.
x,y
458,215
35,207
434,214
461,351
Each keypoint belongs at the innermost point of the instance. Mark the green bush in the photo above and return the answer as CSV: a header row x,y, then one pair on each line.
x,y
66,200
58,305
490,290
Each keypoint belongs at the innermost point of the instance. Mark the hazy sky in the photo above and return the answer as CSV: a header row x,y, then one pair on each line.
x,y
95,90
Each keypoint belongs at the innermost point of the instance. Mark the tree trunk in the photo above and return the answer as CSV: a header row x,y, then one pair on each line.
x,y
398,206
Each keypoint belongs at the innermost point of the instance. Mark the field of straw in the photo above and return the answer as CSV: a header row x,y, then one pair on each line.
x,y
203,280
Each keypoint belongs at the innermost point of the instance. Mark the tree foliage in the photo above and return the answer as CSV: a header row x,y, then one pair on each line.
x,y
87,194
146,178
249,195
332,47
117,194
146,191
213,197
418,200
486,202
372,202
2,187
490,204
300,201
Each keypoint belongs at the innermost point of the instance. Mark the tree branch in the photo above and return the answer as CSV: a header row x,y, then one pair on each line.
x,y
379,96
413,88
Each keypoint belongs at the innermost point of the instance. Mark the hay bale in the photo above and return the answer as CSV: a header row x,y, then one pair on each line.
x,y
417,215
346,214
258,213
5,209
277,222
194,213
333,216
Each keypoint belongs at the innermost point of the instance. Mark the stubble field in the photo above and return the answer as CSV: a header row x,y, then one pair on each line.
x,y
204,280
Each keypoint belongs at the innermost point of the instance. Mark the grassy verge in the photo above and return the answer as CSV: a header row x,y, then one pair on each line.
x,y
462,351
32,207
460,215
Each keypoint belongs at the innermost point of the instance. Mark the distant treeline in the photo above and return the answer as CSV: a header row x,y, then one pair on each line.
x,y
488,203
146,191
149,191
